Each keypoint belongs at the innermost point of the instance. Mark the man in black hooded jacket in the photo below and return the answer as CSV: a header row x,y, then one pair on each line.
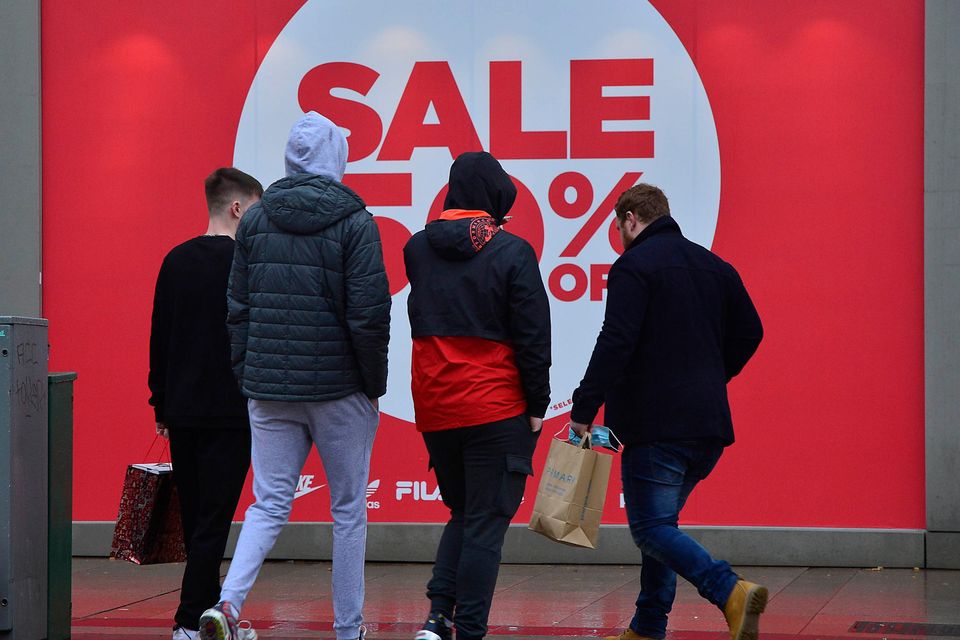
x,y
480,322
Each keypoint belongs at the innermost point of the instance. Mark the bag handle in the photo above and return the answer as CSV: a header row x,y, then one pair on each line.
x,y
163,452
584,441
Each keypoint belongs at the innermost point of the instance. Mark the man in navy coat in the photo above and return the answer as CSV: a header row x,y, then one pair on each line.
x,y
679,325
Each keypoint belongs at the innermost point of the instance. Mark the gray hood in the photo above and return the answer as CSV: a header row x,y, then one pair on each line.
x,y
316,145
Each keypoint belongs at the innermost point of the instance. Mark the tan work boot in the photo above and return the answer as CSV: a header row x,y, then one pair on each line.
x,y
629,634
742,611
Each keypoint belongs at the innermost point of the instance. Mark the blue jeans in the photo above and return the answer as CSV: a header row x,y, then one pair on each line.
x,y
657,479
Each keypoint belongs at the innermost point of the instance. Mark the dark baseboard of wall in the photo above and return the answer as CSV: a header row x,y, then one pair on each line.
x,y
943,549
760,546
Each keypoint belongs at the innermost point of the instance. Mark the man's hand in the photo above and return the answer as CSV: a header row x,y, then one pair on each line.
x,y
535,423
376,403
162,430
579,428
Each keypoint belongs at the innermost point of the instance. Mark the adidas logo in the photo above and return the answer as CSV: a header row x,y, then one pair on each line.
x,y
371,490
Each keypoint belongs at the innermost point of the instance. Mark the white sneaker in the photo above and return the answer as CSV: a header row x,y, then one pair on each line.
x,y
180,633
437,627
220,623
245,631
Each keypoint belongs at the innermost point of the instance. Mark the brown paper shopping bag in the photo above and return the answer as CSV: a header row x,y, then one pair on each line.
x,y
571,494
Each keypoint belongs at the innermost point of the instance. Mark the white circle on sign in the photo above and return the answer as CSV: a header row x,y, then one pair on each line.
x,y
390,38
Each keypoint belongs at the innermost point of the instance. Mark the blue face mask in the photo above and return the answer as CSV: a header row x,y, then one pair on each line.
x,y
600,436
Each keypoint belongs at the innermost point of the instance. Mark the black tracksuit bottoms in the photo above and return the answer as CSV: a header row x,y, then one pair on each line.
x,y
482,472
209,468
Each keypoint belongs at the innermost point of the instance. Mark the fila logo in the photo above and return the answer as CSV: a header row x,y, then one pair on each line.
x,y
417,489
371,490
623,503
304,487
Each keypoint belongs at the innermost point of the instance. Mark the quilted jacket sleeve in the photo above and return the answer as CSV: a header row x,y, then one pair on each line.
x,y
238,305
367,301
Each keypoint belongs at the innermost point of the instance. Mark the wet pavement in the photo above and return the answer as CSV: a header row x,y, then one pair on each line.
x,y
291,600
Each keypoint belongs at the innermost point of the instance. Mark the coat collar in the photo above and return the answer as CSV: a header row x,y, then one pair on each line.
x,y
665,224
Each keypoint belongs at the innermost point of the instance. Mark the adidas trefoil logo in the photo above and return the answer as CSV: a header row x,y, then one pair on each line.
x,y
371,490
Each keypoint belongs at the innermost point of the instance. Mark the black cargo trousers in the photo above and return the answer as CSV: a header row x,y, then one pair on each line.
x,y
482,472
209,468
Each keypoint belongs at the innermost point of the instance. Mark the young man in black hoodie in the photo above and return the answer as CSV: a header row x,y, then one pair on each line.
x,y
679,325
193,391
480,322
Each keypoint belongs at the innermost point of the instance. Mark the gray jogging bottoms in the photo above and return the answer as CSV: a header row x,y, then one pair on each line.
x,y
282,433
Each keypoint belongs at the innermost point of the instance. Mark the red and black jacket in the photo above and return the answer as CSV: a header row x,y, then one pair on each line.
x,y
479,315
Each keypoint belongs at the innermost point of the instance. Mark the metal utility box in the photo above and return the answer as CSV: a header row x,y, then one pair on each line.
x,y
60,521
23,478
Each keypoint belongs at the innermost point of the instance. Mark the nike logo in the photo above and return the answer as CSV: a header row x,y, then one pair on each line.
x,y
303,492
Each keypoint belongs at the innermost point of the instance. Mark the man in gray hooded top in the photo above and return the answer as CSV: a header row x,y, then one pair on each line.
x,y
309,322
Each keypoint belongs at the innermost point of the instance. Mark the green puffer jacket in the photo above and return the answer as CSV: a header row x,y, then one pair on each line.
x,y
308,301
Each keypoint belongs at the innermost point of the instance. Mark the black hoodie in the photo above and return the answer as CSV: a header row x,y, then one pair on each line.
x,y
477,181
471,279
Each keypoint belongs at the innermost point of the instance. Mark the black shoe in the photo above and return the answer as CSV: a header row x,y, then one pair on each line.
x,y
437,627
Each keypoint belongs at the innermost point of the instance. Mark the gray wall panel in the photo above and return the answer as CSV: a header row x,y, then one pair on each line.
x,y
20,229
942,265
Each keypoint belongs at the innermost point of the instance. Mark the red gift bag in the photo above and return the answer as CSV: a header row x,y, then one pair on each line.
x,y
148,524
